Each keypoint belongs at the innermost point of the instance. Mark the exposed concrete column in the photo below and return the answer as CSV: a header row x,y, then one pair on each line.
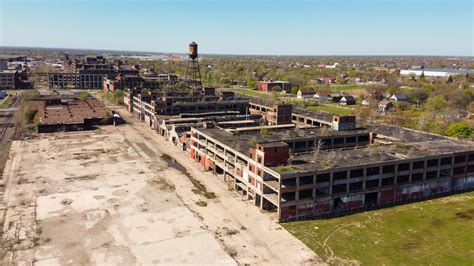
x,y
425,169
380,176
364,178
396,174
411,171
330,183
297,193
314,186
347,180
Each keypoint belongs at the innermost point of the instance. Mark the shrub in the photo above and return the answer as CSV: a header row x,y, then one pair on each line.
x,y
459,130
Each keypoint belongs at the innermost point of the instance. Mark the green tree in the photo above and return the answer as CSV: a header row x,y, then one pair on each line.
x,y
450,79
436,104
295,89
83,96
459,130
422,76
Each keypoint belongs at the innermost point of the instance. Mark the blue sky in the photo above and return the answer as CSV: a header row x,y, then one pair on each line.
x,y
281,27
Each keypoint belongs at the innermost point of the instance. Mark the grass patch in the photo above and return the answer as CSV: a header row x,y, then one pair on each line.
x,y
250,92
284,168
5,151
434,232
7,101
201,203
329,109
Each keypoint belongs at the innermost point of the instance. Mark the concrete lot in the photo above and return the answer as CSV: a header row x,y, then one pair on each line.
x,y
86,198
123,195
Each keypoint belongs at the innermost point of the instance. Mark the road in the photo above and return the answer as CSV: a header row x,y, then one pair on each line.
x,y
248,235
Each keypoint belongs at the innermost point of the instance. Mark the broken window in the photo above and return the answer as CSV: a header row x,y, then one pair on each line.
x,y
403,179
288,196
470,169
350,139
306,194
459,170
432,163
289,182
338,189
417,177
355,186
339,175
373,170
445,173
321,178
322,191
387,169
403,167
372,183
470,157
305,180
357,173
419,165
388,181
431,175
460,159
446,161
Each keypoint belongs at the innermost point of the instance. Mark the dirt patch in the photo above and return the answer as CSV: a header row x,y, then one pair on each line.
x,y
82,177
409,245
161,184
437,222
199,187
468,215
226,231
66,201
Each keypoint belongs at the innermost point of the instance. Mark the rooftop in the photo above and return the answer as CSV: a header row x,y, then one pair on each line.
x,y
374,154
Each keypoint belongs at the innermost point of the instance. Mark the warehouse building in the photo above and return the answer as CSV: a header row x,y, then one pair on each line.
x,y
316,172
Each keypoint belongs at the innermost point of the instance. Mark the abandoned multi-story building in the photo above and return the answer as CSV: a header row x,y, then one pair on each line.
x,y
318,164
14,76
315,171
87,73
149,106
303,163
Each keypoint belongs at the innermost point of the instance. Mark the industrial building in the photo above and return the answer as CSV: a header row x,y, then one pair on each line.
x,y
302,163
14,76
434,72
278,86
69,113
87,73
314,172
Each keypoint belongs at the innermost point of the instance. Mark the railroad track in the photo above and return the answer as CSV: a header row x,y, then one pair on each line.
x,y
9,118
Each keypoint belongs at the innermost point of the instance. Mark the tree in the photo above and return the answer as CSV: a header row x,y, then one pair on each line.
x,y
436,104
459,130
295,89
422,76
251,83
450,79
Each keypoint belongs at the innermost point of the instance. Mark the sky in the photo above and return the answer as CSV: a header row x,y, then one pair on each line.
x,y
269,27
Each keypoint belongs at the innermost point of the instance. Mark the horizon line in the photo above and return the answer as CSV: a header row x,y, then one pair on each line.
x,y
230,54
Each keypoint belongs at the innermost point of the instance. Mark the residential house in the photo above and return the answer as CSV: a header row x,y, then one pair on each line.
x,y
399,97
348,100
323,95
335,97
385,105
305,94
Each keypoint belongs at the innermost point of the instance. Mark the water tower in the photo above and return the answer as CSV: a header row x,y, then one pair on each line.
x,y
193,73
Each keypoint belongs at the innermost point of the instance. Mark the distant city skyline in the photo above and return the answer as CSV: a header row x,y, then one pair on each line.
x,y
259,27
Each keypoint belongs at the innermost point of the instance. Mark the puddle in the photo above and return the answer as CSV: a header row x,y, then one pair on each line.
x,y
200,188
